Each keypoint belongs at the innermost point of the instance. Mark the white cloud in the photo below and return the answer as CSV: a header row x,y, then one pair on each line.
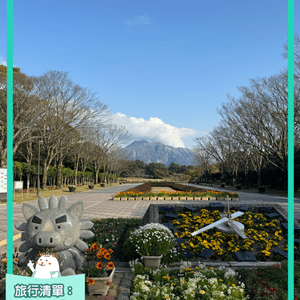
x,y
138,20
153,129
2,61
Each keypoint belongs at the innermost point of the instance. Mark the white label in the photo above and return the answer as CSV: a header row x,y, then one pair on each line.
x,y
18,185
3,180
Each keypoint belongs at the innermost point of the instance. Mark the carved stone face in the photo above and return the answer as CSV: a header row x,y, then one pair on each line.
x,y
55,227
52,229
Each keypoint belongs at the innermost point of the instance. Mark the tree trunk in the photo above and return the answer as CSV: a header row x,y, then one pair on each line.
x,y
44,181
58,174
76,169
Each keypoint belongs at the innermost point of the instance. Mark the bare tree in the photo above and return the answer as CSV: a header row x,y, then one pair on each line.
x,y
117,160
68,107
111,137
25,110
259,118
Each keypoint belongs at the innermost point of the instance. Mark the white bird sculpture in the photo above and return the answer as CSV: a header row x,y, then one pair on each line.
x,y
227,221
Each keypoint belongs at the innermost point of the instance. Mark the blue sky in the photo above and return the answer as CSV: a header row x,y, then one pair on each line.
x,y
162,67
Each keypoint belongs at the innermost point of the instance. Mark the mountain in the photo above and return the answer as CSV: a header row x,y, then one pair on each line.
x,y
159,153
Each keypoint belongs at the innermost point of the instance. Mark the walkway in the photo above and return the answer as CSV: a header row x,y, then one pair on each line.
x,y
99,204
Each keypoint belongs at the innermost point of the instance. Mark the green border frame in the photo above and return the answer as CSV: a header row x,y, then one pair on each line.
x,y
291,215
9,236
290,143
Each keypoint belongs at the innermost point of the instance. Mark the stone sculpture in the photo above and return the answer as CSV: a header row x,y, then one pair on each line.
x,y
56,229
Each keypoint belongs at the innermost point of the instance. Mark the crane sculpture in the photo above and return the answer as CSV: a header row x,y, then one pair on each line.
x,y
226,225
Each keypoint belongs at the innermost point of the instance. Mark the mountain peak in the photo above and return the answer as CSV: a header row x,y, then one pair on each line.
x,y
157,152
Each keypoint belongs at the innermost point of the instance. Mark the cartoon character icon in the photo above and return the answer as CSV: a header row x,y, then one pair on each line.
x,y
47,266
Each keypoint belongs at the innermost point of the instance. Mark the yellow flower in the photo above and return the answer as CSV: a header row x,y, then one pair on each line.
x,y
233,284
220,280
211,268
202,292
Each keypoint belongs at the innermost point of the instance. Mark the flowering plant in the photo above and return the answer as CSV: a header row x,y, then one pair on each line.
x,y
201,283
16,269
71,186
95,267
152,239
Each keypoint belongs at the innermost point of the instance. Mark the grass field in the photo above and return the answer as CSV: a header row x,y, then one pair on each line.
x,y
48,193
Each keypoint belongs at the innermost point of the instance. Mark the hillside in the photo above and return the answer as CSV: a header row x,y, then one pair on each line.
x,y
159,153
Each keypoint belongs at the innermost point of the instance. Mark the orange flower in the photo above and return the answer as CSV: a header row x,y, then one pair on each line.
x,y
4,260
107,256
110,265
94,247
87,250
99,265
16,259
110,250
90,281
99,255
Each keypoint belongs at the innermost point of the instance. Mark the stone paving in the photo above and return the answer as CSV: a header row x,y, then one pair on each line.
x,y
99,204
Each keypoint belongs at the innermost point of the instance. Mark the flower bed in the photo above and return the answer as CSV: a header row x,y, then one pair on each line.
x,y
144,190
212,283
202,283
176,186
263,236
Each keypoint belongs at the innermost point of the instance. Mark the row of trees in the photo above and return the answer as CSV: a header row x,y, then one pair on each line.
x,y
253,131
65,121
154,170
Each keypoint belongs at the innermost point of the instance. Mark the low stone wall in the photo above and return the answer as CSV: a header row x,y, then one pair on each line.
x,y
173,199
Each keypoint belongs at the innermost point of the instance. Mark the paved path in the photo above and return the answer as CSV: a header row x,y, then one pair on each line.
x,y
99,204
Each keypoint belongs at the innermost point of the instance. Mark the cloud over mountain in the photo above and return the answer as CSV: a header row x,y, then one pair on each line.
x,y
153,129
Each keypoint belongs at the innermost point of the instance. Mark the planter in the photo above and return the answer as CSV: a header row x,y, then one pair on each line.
x,y
235,199
261,189
72,189
91,187
116,198
197,198
160,198
189,198
152,261
130,198
123,199
168,198
182,198
204,198
100,286
174,198
238,187
138,198
212,198
153,198
146,198
220,198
